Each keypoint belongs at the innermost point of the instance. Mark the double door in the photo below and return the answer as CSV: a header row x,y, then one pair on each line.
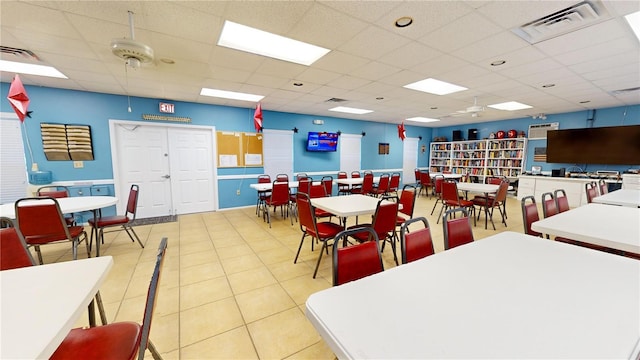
x,y
173,165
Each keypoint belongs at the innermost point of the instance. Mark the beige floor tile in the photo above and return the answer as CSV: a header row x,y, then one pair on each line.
x,y
197,258
263,302
165,332
234,251
276,255
275,341
318,351
301,287
201,272
241,263
208,320
204,292
251,279
233,344
286,270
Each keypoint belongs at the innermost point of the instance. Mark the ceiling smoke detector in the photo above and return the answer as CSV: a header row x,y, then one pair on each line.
x,y
132,51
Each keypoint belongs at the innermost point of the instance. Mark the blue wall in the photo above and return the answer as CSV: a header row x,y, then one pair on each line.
x,y
68,106
617,116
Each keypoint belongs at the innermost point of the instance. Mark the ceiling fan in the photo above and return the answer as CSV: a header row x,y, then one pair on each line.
x,y
133,52
475,110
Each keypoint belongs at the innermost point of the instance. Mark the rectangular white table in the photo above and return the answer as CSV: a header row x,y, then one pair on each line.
x,y
508,296
486,189
615,227
355,181
622,197
40,304
348,205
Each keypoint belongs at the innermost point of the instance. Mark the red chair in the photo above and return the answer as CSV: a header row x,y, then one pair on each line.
x,y
426,183
123,221
529,215
383,186
604,188
394,182
384,224
451,199
437,191
416,244
119,340
282,178
304,185
262,195
591,190
367,185
322,231
41,222
562,202
279,197
13,248
549,207
408,201
353,262
490,203
300,176
318,191
56,192
343,189
416,173
457,231
327,182
493,180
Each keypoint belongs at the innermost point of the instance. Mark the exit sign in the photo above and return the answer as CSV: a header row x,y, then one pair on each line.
x,y
167,108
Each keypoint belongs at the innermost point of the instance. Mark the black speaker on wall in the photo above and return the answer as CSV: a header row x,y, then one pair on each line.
x,y
457,135
473,134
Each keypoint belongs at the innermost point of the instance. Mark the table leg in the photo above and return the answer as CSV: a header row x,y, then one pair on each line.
x,y
92,314
95,222
486,209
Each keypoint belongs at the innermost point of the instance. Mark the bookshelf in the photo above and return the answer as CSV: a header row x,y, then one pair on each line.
x,y
479,157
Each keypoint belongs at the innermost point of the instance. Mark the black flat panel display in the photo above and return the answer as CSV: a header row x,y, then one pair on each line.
x,y
322,141
615,145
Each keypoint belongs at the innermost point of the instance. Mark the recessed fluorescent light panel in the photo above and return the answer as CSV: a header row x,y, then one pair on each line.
x,y
230,95
434,86
30,69
634,21
510,106
260,42
422,119
350,110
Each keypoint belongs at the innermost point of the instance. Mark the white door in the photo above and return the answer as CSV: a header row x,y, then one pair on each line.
x,y
191,159
277,148
409,159
142,158
350,152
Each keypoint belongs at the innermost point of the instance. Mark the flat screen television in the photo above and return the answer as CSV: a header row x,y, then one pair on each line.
x,y
322,141
615,145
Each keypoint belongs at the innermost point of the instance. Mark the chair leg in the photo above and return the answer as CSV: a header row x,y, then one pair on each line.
x,y
39,254
300,247
103,314
154,352
129,227
434,206
324,245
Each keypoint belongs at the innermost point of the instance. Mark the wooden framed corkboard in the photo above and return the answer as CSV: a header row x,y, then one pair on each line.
x,y
239,149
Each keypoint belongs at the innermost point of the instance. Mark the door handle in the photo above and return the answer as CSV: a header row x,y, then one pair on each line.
x,y
166,176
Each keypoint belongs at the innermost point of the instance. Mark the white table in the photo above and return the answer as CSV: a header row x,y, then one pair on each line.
x,y
508,296
446,176
486,189
40,304
348,205
615,227
355,181
622,197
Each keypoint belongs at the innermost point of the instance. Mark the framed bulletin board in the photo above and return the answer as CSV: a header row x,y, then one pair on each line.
x,y
239,149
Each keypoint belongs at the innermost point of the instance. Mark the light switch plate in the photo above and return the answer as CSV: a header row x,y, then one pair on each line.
x,y
78,164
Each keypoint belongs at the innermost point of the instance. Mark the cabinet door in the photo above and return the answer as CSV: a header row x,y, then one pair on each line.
x,y
101,190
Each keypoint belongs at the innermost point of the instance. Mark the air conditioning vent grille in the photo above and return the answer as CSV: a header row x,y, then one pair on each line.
x,y
22,53
539,131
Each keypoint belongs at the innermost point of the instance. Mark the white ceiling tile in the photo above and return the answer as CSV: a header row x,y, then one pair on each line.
x,y
529,68
509,14
437,66
409,55
340,62
488,48
370,11
326,27
460,33
317,76
373,43
375,71
598,51
348,82
611,61
583,38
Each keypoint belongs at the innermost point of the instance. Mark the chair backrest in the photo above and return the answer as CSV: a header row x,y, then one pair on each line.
x,y
327,182
501,194
408,199
264,179
53,191
300,176
418,175
425,178
457,231
383,183
282,177
604,188
317,191
354,262
394,182
152,295
450,191
304,185
530,214
384,219
416,244
494,180
41,218
591,190
13,249
280,192
562,202
306,213
367,172
342,175
355,174
367,183
132,202
549,207
437,184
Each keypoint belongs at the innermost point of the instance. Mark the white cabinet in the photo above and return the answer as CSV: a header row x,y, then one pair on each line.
x,y
538,185
479,157
630,181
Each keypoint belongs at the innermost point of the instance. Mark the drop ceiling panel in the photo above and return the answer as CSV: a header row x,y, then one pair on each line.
x,y
375,71
587,37
373,43
369,11
409,55
318,76
598,51
340,62
460,33
510,14
326,27
488,48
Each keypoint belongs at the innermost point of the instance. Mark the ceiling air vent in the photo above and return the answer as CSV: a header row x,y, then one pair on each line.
x,y
539,131
575,17
624,91
336,100
22,53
